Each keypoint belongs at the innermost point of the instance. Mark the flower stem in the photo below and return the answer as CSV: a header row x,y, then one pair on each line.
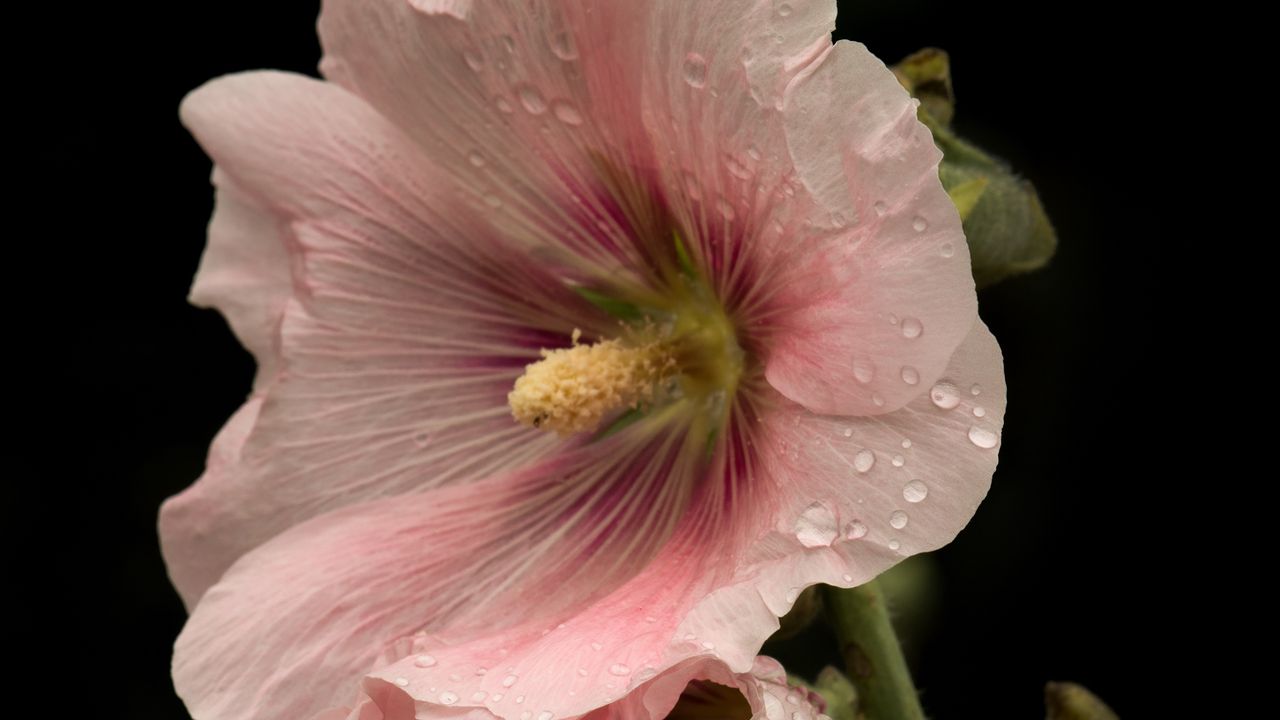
x,y
873,658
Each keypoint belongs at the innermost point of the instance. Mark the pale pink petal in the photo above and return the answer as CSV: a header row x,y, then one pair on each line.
x,y
861,493
410,323
295,623
871,315
244,273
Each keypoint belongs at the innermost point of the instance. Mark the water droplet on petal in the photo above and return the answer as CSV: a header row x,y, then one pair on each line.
x,y
816,526
519,699
848,432
582,672
919,224
864,460
983,438
726,210
910,375
898,520
563,46
979,411
784,10
947,250
894,544
619,669
695,70
526,715
898,461
509,680
474,60
737,169
448,698
479,696
481,670
906,443
911,328
475,158
877,400
597,646
402,682
915,491
975,390
504,107
546,715
566,113
945,395
855,530
708,645
497,697
881,207
424,661
863,369
753,152
531,99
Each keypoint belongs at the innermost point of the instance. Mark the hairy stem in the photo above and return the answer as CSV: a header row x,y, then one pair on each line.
x,y
872,656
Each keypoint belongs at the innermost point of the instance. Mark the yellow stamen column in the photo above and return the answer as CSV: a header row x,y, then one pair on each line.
x,y
573,389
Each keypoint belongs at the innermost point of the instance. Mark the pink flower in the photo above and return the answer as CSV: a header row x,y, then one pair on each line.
x,y
698,688
781,378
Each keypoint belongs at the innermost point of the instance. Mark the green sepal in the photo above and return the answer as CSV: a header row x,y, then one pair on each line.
x,y
620,309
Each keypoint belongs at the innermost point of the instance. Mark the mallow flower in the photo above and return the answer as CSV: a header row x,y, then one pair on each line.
x,y
588,335
700,688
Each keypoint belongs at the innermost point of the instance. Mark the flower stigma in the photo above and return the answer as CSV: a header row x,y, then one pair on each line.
x,y
677,353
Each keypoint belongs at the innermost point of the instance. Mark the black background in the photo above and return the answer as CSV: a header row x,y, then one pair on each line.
x,y
1055,577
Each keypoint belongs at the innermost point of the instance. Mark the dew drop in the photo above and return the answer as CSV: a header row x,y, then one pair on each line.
x,y
476,159
847,578
982,437
945,395
695,70
582,672
737,169
497,697
563,46
864,461
881,207
402,682
473,59
848,432
979,411
784,10
424,661
448,698
708,645
816,526
906,443
481,670
877,400
915,491
863,369
597,646
975,390
479,696
898,461
947,250
531,99
726,210
546,715
753,152
566,113
894,544
504,107
526,715
910,375
855,530
898,520
912,328
619,669
519,699
919,224
838,220
509,680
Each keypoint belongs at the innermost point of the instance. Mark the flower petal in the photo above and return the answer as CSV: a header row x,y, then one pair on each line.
x,y
411,321
244,273
292,626
872,316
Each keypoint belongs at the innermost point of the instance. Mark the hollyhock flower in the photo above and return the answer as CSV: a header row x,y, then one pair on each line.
x,y
588,335
698,688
